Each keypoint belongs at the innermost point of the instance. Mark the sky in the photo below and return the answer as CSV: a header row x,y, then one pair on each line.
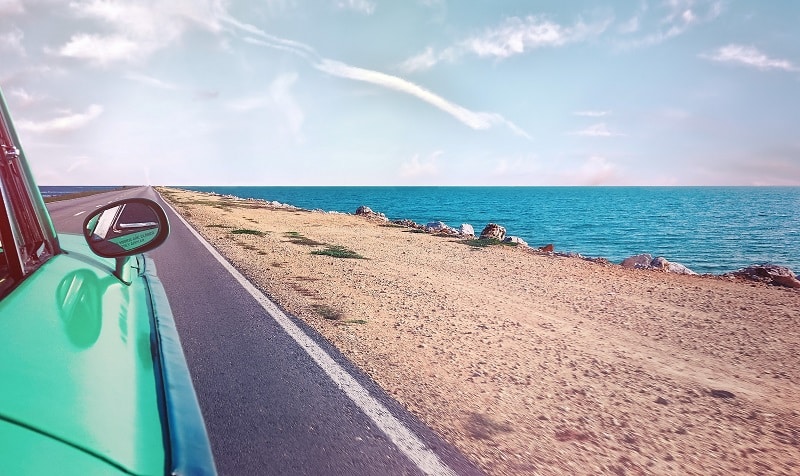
x,y
412,92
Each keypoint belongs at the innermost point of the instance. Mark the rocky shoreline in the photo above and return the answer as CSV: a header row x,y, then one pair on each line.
x,y
766,273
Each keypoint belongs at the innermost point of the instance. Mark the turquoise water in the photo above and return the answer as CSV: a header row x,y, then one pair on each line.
x,y
709,229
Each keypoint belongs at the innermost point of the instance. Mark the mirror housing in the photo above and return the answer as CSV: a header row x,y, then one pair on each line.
x,y
126,228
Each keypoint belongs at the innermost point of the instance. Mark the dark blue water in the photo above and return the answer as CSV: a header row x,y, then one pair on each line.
x,y
708,229
58,190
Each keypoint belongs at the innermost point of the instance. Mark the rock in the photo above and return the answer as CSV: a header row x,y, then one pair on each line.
x,y
678,268
548,248
408,223
646,261
770,274
493,231
515,239
466,230
367,212
637,261
437,227
362,210
659,263
721,394
670,267
662,401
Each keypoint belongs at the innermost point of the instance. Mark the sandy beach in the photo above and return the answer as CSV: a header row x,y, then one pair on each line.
x,y
531,363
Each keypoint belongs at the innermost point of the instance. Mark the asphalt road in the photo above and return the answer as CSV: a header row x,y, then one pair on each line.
x,y
275,396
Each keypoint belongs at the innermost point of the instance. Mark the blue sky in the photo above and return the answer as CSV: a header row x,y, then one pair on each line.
x,y
414,92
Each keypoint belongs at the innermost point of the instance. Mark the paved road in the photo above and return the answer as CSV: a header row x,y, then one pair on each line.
x,y
276,398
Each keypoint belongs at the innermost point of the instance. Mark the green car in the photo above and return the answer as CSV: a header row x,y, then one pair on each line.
x,y
93,380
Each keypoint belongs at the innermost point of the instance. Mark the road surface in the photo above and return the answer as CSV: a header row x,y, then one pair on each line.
x,y
275,396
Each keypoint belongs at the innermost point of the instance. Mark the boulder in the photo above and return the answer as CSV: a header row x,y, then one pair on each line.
x,y
637,261
516,240
362,210
437,227
367,212
548,248
408,223
493,231
770,274
466,230
670,267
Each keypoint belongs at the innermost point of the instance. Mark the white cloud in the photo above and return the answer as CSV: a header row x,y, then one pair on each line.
x,y
250,103
515,168
630,26
475,120
101,49
68,121
516,36
679,17
596,171
361,6
596,130
279,97
280,91
78,163
425,60
512,37
151,81
751,57
11,7
592,113
134,30
12,41
24,98
416,167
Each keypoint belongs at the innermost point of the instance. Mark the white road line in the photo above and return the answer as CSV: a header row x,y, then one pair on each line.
x,y
405,440
79,213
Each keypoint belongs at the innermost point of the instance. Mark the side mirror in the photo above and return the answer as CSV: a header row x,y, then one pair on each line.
x,y
126,228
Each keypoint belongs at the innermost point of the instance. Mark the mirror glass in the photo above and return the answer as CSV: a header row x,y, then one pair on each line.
x,y
124,229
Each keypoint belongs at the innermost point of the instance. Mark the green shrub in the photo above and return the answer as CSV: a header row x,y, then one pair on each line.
x,y
298,239
484,242
328,312
245,231
337,251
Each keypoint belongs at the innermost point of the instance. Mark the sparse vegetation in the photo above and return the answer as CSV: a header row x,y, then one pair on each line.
x,y
247,231
484,242
355,321
298,239
328,312
337,251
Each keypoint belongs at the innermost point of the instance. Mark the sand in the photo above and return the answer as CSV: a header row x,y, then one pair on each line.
x,y
532,363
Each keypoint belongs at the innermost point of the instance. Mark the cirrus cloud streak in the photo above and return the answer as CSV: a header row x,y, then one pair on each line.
x,y
751,57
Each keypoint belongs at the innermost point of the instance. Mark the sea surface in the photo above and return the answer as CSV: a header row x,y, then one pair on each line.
x,y
709,229
58,190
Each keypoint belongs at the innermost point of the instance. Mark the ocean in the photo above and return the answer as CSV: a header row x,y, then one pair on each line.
x,y
708,229
58,190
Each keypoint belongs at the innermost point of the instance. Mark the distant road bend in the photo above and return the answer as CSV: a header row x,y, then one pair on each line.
x,y
276,397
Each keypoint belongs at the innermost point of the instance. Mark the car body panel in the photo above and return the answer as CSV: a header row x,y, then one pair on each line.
x,y
50,456
77,346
